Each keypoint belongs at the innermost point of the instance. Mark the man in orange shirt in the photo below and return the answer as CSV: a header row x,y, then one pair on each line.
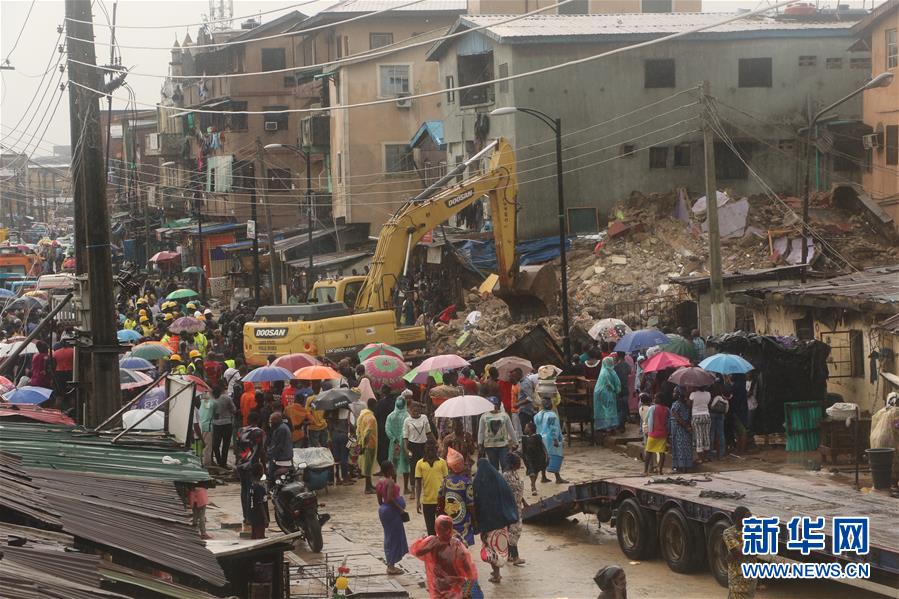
x,y
247,402
298,416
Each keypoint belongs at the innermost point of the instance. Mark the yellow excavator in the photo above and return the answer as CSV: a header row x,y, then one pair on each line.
x,y
362,311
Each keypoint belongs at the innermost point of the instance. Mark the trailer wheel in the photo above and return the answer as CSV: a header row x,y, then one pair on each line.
x,y
681,546
717,552
636,530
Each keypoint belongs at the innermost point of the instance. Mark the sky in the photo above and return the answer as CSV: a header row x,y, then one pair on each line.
x,y
27,102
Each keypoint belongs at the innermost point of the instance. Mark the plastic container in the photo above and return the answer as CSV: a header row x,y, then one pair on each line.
x,y
881,461
801,425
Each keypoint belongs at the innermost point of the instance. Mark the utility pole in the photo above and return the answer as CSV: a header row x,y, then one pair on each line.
x,y
255,239
310,197
274,263
89,187
198,207
716,282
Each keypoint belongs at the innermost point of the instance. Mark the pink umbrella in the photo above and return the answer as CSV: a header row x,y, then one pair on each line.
x,y
664,360
443,362
294,362
187,324
386,370
133,379
202,387
6,384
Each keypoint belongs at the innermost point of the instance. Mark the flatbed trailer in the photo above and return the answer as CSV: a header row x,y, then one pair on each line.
x,y
683,522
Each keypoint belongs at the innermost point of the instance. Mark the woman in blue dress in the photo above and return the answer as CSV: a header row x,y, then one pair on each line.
x,y
549,428
391,508
681,432
605,397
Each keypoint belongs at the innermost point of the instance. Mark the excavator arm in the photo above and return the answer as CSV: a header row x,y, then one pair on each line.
x,y
434,206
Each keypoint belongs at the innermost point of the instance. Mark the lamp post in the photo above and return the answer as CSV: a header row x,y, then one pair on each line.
x,y
306,158
556,125
881,80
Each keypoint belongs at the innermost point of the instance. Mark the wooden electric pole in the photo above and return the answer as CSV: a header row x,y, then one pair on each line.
x,y
716,282
92,246
274,264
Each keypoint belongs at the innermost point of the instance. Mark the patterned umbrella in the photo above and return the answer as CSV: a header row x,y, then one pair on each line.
x,y
187,324
128,336
386,370
133,379
151,398
315,373
421,376
295,361
609,329
268,374
379,349
443,362
151,350
664,360
182,294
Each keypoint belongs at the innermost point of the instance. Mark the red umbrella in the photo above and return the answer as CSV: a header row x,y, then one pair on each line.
x,y
165,256
664,360
294,362
386,370
202,387
64,358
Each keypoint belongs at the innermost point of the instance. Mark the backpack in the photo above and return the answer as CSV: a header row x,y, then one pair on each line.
x,y
719,405
247,444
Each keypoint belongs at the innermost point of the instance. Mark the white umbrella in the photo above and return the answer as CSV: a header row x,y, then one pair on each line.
x,y
7,349
609,329
463,405
506,365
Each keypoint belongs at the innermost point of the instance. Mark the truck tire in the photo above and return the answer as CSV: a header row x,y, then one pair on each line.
x,y
680,545
636,530
717,552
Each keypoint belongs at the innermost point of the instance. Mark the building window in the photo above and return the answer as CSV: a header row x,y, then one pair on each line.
x,y
339,167
450,92
379,40
396,158
755,72
343,45
475,68
627,150
290,81
847,353
278,179
658,73
657,6
891,50
503,71
683,155
860,63
658,157
307,49
892,144
280,119
808,61
729,165
834,63
575,7
393,80
236,122
273,59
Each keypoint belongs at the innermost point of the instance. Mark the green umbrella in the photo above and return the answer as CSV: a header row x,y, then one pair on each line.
x,y
181,294
680,346
192,270
150,350
379,349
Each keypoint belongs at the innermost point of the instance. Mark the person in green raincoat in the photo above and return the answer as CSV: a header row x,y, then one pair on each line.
x,y
605,397
394,428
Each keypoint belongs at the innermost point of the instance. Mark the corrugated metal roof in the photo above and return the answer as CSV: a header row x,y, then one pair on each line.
x,y
376,5
891,324
19,494
434,129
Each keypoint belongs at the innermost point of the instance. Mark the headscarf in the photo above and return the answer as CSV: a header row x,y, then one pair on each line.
x,y
455,461
393,426
365,391
493,500
443,526
608,379
605,577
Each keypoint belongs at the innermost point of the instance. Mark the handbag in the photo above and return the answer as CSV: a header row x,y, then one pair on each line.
x,y
719,405
405,516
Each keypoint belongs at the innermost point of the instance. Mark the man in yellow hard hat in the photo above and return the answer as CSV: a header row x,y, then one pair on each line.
x,y
146,327
175,365
201,343
196,363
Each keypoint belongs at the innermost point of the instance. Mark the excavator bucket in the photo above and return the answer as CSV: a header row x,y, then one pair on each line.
x,y
536,293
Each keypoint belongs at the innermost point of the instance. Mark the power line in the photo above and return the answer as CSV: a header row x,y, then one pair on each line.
x,y
21,31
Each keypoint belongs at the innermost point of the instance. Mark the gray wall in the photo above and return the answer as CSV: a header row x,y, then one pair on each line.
x,y
594,92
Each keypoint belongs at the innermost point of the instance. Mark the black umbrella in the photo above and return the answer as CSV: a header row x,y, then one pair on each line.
x,y
26,302
334,399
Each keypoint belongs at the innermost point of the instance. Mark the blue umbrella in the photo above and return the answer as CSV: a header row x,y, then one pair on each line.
x,y
28,395
642,339
6,293
135,363
726,364
128,336
268,374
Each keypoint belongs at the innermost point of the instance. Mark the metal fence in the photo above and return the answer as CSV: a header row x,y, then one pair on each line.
x,y
662,311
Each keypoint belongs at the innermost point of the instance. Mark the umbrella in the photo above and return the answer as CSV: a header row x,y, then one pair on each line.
x,y
6,293
421,376
64,358
464,405
187,324
6,384
132,363
26,303
269,374
6,349
443,362
664,360
609,329
386,370
680,346
379,349
692,376
151,350
313,373
193,270
133,379
333,399
165,256
295,361
128,336
506,365
151,398
181,294
642,339
202,387
28,395
726,364
41,295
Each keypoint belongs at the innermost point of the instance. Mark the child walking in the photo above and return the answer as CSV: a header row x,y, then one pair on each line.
x,y
656,435
534,453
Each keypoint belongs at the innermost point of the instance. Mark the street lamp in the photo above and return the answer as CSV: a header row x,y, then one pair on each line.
x,y
305,154
882,80
556,126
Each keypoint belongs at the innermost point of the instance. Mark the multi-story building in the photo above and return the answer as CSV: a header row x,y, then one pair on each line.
x,y
878,35
767,75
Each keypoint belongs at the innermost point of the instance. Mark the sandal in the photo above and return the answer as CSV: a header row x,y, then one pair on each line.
x,y
495,579
393,570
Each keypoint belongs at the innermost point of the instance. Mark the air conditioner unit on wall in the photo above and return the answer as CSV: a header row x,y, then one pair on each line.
x,y
871,141
403,102
271,125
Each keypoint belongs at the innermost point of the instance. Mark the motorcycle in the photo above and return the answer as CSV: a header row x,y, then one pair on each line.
x,y
296,507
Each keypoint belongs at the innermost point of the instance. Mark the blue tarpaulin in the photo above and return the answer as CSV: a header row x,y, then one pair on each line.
x,y
482,254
